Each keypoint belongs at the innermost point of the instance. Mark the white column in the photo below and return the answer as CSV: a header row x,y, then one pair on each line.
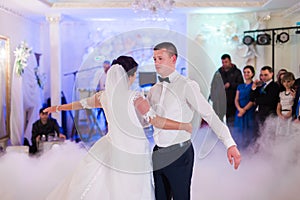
x,y
55,62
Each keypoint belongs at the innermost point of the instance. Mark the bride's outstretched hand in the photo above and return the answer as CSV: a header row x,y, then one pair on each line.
x,y
50,109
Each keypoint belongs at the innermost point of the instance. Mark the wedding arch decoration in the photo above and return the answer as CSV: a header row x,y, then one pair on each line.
x,y
26,95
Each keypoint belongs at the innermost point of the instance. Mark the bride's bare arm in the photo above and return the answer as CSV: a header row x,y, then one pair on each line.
x,y
70,106
87,103
143,107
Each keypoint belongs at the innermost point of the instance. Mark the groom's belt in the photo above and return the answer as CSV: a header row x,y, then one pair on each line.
x,y
174,146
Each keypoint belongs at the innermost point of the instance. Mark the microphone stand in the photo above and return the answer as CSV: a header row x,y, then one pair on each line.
x,y
75,118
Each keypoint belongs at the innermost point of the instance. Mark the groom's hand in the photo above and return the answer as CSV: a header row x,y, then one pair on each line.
x,y
142,105
234,155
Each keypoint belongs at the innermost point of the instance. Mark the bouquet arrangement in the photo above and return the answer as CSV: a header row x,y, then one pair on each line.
x,y
22,53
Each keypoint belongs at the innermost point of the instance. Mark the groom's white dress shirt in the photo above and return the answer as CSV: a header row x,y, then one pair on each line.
x,y
178,100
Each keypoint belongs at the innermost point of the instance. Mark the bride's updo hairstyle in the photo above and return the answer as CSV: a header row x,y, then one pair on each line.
x,y
128,63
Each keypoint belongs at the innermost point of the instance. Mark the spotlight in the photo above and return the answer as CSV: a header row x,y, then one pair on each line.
x,y
263,39
248,40
297,31
283,37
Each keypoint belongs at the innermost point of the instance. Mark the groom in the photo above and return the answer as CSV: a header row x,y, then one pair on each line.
x,y
177,97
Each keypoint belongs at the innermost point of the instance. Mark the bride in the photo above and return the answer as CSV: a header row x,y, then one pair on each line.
x,y
118,166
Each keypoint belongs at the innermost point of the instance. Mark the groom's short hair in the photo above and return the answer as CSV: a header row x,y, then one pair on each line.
x,y
170,47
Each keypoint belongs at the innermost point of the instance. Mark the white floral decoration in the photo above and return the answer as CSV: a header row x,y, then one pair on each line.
x,y
22,53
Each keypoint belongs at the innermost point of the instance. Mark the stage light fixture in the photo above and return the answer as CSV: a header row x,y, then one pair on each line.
x,y
263,39
297,31
283,37
248,40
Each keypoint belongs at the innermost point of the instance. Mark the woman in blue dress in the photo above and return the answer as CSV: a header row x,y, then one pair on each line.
x,y
244,119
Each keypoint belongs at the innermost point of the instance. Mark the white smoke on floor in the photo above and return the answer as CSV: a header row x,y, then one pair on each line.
x,y
25,177
269,169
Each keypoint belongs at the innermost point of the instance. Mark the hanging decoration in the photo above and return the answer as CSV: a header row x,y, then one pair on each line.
x,y
22,53
153,6
40,77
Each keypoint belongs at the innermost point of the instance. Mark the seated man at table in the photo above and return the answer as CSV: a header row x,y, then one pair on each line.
x,y
44,127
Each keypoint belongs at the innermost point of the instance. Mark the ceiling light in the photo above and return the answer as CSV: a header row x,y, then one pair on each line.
x,y
263,39
248,40
283,37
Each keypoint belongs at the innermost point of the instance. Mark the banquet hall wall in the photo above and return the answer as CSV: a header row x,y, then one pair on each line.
x,y
207,30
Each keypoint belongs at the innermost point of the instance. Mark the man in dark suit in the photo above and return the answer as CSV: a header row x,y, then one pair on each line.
x,y
265,93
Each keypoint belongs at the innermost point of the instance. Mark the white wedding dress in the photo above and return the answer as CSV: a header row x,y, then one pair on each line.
x,y
118,166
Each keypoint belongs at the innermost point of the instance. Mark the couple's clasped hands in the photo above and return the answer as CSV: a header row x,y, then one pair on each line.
x,y
143,107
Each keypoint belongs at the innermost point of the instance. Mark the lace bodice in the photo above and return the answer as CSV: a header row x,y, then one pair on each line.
x,y
286,101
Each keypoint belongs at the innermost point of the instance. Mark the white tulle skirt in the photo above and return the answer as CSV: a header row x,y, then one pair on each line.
x,y
105,173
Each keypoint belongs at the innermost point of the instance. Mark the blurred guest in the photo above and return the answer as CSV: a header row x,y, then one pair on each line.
x,y
297,83
44,127
244,123
279,76
101,84
231,77
296,106
286,97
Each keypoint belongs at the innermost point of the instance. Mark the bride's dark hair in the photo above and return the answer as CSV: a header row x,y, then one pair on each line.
x,y
128,63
